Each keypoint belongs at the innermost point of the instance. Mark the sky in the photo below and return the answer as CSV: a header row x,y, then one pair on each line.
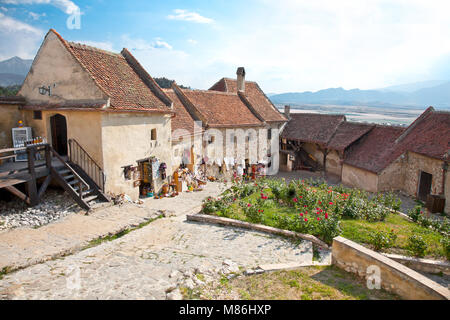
x,y
284,45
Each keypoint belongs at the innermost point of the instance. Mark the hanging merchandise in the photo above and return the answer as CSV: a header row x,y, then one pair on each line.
x,y
162,170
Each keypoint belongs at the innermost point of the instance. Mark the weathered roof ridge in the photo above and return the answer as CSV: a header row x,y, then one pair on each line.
x,y
414,124
146,77
83,46
210,92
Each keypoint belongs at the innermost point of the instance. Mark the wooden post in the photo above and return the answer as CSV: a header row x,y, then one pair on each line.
x,y
31,184
48,156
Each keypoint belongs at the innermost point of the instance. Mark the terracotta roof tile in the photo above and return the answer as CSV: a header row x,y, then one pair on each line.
x,y
117,78
182,119
373,151
347,133
255,96
312,127
222,109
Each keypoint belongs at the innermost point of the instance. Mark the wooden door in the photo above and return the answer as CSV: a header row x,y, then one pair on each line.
x,y
425,181
59,134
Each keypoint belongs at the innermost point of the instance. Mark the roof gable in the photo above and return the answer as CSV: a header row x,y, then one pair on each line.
x,y
256,97
347,133
221,109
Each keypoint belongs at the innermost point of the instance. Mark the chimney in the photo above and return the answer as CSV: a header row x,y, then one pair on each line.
x,y
287,111
240,79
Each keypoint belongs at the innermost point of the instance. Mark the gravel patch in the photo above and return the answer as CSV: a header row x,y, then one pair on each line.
x,y
56,204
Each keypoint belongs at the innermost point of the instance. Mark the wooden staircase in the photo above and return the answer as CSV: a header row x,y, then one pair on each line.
x,y
77,183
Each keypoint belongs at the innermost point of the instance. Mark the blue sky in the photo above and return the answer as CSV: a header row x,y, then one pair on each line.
x,y
285,45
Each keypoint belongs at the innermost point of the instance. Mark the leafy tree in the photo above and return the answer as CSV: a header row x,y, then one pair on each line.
x,y
9,91
163,82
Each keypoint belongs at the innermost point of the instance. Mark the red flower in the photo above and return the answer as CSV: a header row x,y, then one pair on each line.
x,y
318,219
306,212
330,203
320,202
326,215
306,219
301,197
301,214
305,206
295,200
249,205
234,199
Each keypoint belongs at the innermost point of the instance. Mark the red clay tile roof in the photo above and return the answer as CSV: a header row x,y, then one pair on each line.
x,y
255,96
120,77
347,133
117,78
428,135
372,152
183,119
312,127
222,109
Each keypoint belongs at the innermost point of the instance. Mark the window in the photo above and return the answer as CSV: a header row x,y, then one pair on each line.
x,y
211,139
37,115
269,134
153,134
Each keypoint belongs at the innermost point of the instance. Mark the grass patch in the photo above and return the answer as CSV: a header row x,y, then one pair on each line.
x,y
360,230
308,283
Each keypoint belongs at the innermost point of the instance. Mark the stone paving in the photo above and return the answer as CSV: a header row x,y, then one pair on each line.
x,y
148,263
26,246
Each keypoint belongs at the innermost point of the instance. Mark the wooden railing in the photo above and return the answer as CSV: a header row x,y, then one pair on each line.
x,y
79,156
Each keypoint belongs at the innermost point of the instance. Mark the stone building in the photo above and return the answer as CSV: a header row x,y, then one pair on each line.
x,y
374,157
231,114
103,103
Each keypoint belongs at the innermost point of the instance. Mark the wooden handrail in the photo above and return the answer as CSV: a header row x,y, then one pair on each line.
x,y
85,152
69,167
79,156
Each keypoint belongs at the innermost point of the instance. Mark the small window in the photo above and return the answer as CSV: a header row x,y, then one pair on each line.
x,y
211,139
269,134
37,115
153,135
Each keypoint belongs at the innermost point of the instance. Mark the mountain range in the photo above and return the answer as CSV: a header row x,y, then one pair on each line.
x,y
421,94
13,71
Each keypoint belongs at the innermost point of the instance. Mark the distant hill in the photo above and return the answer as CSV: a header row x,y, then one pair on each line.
x,y
437,95
13,71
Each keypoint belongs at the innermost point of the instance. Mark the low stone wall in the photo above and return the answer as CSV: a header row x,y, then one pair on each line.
x,y
257,227
394,276
422,265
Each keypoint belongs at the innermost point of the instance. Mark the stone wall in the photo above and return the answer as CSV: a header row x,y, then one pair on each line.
x,y
447,193
313,150
394,277
9,119
415,163
359,178
126,138
334,163
393,176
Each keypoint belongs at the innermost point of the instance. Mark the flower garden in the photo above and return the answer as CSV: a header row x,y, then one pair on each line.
x,y
315,208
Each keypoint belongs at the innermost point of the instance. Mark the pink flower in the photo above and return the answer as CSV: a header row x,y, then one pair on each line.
x,y
249,205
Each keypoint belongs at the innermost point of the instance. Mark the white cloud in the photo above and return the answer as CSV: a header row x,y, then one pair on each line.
x,y
192,41
67,6
311,45
4,9
36,16
20,39
185,15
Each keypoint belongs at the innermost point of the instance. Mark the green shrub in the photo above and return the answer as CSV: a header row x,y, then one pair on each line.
x,y
417,246
382,240
253,213
416,213
445,241
329,228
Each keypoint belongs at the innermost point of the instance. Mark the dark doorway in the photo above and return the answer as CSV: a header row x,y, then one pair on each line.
x,y
59,134
424,185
